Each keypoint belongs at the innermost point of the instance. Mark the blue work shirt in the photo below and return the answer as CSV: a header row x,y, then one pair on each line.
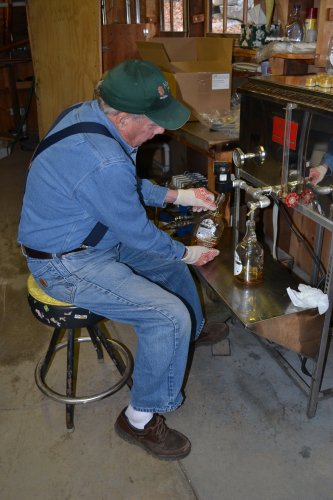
x,y
88,178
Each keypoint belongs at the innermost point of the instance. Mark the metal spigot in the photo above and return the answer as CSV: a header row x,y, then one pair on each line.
x,y
239,156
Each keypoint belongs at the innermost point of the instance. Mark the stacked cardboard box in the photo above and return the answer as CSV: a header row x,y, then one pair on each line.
x,y
198,70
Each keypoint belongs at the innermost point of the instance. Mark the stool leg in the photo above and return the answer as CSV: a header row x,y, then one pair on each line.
x,y
70,379
113,354
50,352
96,343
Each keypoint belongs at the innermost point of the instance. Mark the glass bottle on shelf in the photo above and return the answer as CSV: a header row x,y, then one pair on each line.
x,y
329,57
249,257
210,226
295,28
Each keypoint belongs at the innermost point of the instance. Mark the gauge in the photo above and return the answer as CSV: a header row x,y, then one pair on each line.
x,y
238,157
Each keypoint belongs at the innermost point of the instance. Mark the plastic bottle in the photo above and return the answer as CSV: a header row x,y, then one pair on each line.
x,y
311,25
209,229
329,58
295,28
249,258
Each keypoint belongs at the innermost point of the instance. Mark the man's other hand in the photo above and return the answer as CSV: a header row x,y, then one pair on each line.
x,y
199,255
317,174
197,198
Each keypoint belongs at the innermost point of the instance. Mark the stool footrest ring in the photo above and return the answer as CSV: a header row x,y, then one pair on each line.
x,y
48,391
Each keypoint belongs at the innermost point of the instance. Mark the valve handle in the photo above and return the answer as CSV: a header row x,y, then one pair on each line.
x,y
291,200
307,196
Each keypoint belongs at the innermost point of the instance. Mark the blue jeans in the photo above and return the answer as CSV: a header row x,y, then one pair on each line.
x,y
157,297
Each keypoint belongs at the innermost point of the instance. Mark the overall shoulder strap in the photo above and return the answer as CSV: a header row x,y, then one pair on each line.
x,y
99,230
77,128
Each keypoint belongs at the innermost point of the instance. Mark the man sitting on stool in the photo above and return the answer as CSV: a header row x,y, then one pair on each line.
x,y
88,241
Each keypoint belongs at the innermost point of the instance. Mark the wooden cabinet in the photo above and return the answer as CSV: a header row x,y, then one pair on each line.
x,y
71,47
65,39
324,24
325,31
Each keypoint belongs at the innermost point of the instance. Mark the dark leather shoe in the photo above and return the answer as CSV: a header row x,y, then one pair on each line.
x,y
156,437
212,333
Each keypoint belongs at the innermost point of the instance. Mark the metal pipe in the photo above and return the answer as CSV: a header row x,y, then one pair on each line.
x,y
323,189
137,12
286,146
256,193
104,17
128,12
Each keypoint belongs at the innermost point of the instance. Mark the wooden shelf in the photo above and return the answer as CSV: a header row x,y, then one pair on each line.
x,y
238,52
295,56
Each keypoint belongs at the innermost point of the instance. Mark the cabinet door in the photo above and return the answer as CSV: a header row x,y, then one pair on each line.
x,y
325,31
65,39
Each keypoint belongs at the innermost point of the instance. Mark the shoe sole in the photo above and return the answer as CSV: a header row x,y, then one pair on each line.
x,y
212,342
201,344
132,440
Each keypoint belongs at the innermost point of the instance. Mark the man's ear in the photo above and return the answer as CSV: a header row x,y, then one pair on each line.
x,y
120,119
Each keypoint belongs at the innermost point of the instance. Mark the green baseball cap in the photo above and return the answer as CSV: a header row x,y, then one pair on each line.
x,y
139,87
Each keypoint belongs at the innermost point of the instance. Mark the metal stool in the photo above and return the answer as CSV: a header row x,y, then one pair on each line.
x,y
63,316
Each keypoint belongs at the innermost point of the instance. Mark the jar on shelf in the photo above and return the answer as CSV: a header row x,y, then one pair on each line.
x,y
329,57
295,30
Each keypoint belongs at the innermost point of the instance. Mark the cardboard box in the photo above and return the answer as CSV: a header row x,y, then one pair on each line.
x,y
198,70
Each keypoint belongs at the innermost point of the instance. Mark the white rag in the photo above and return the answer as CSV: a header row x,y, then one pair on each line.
x,y
309,297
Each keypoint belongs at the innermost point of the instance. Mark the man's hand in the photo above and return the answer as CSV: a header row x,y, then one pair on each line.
x,y
197,198
199,255
317,174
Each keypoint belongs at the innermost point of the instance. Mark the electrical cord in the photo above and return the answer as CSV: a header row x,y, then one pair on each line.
x,y
321,281
300,238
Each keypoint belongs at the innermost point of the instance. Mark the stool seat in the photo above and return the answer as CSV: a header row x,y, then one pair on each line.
x,y
38,293
68,318
53,312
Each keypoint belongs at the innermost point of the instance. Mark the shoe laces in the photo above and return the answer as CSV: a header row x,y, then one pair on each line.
x,y
160,428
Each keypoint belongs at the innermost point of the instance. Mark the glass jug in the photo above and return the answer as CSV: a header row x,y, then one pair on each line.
x,y
209,229
249,258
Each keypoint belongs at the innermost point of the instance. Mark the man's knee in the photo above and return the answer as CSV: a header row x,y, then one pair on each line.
x,y
181,318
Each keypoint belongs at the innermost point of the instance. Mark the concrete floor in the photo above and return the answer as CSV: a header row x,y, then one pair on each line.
x,y
246,419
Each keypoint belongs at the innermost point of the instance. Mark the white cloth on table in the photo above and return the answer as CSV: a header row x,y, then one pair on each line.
x,y
309,297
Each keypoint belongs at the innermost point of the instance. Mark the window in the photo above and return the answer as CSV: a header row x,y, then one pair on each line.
x,y
173,15
223,16
226,16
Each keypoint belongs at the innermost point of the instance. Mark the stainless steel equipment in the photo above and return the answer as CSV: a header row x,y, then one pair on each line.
x,y
288,127
285,128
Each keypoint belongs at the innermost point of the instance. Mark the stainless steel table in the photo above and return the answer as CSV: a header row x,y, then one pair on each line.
x,y
266,309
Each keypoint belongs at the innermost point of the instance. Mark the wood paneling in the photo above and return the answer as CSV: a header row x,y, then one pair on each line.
x,y
119,42
65,39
